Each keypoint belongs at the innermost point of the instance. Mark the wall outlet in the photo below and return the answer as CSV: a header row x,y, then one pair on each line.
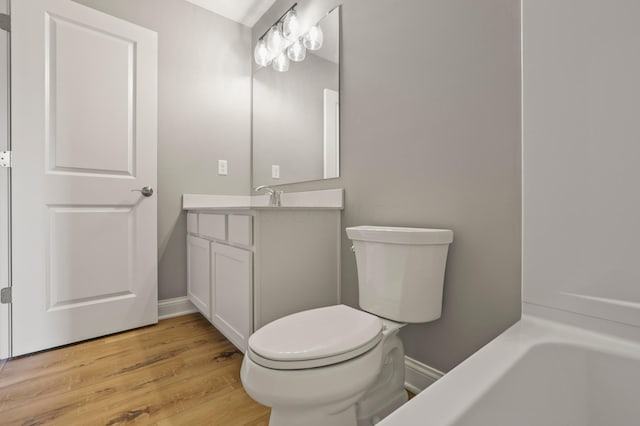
x,y
223,168
275,172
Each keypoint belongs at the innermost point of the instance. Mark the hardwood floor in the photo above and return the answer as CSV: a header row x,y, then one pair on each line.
x,y
179,372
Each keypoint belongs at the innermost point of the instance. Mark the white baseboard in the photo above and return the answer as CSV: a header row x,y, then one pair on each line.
x,y
169,308
419,376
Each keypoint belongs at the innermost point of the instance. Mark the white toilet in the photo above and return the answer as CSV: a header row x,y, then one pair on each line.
x,y
341,366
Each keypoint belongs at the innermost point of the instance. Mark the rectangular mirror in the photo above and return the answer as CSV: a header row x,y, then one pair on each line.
x,y
296,115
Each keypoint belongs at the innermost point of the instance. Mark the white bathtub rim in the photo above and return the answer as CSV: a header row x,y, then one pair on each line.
x,y
443,403
450,398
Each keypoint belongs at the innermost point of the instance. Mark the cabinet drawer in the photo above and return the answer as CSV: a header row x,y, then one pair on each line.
x,y
212,225
192,223
241,229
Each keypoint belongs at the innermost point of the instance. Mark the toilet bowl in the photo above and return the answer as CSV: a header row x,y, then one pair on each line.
x,y
342,366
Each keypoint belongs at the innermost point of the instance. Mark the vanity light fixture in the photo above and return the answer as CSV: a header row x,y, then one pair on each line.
x,y
284,41
275,40
313,38
297,52
281,62
262,55
291,26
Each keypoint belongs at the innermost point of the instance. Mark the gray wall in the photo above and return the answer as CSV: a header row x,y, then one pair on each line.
x,y
430,136
288,120
204,72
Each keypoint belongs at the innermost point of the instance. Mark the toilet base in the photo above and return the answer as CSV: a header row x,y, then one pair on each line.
x,y
392,404
387,393
346,417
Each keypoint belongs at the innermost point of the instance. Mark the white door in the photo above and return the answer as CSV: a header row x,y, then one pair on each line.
x,y
331,146
84,113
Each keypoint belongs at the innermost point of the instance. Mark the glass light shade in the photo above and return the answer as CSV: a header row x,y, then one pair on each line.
x,y
261,54
313,39
275,40
297,52
281,62
291,26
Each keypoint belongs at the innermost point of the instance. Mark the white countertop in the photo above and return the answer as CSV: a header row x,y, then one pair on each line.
x,y
323,199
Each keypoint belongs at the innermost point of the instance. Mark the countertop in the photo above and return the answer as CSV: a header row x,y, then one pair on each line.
x,y
324,199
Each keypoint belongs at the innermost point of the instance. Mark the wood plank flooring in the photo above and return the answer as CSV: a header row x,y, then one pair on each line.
x,y
179,372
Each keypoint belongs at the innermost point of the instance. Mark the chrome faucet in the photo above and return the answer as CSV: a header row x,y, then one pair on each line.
x,y
275,197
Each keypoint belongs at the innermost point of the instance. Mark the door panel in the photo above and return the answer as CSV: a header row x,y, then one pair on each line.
x,y
84,125
99,139
99,243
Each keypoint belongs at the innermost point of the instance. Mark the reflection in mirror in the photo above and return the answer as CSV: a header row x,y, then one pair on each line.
x,y
296,114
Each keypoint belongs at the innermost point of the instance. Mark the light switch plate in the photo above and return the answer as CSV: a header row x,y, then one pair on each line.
x,y
223,168
275,171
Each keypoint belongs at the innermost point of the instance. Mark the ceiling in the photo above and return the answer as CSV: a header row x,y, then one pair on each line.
x,y
246,12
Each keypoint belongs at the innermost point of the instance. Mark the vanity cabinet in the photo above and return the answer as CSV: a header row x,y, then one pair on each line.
x,y
249,267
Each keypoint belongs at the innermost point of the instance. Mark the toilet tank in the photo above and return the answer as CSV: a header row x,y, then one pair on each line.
x,y
401,271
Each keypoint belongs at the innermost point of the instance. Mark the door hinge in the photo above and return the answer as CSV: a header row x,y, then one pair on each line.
x,y
5,22
5,158
5,295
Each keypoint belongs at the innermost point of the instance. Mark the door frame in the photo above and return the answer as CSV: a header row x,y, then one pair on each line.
x,y
5,196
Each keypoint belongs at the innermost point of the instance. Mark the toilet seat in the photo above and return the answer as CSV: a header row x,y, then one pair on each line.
x,y
315,338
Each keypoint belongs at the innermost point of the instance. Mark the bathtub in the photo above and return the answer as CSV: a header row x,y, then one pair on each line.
x,y
539,372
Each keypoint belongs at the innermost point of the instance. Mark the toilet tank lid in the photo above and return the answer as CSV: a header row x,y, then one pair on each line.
x,y
400,235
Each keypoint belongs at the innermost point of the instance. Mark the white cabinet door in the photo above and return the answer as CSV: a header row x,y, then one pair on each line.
x,y
199,274
232,279
84,130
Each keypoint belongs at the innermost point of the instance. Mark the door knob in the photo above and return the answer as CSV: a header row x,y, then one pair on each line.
x,y
147,191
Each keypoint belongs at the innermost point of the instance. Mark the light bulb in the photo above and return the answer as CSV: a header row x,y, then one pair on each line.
x,y
275,40
261,54
297,52
291,26
281,62
313,39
